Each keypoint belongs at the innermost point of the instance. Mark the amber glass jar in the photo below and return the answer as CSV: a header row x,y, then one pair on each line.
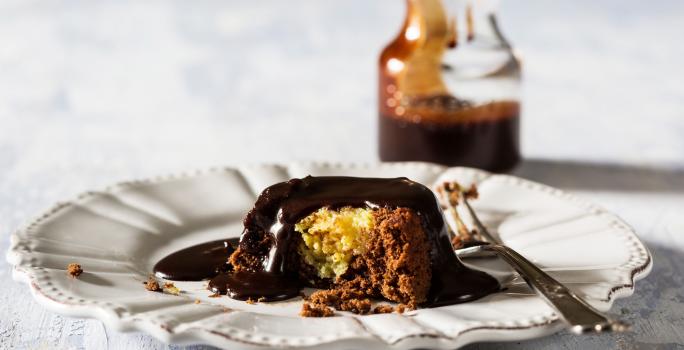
x,y
448,88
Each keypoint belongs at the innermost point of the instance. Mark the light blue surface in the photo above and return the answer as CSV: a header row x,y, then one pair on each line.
x,y
94,92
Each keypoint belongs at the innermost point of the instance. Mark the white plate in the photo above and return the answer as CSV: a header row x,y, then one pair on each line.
x,y
119,233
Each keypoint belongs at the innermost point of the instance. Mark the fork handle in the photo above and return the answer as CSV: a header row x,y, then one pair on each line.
x,y
581,317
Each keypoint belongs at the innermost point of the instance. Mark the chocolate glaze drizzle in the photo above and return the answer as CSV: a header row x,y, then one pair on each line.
x,y
260,285
198,262
280,206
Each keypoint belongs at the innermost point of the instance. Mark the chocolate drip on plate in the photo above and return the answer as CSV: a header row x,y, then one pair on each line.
x,y
196,263
260,285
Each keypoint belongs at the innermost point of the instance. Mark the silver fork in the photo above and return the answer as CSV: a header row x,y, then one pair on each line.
x,y
580,316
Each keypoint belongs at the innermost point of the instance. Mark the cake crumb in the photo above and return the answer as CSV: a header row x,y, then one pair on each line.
x,y
171,288
453,191
401,308
250,301
457,242
343,299
471,192
215,295
197,301
462,239
316,310
74,270
357,306
152,285
383,309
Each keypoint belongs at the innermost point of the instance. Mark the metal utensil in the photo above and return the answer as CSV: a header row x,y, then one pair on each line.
x,y
580,316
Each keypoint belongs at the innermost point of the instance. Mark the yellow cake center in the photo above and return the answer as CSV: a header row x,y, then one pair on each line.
x,y
330,238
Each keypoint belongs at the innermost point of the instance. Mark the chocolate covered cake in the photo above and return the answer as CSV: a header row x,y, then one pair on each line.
x,y
357,238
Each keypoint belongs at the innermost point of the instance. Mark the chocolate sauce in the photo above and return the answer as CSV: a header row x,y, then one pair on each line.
x,y
280,206
454,283
490,144
244,285
196,263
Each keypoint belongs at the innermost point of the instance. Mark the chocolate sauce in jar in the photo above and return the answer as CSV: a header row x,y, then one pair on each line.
x,y
488,141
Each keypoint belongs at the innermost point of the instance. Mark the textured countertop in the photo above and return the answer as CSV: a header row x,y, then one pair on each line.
x,y
94,92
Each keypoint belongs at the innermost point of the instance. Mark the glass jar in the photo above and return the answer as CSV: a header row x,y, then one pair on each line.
x,y
449,88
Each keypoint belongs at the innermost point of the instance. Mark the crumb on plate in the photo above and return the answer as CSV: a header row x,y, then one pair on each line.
x,y
316,310
171,288
383,309
74,270
152,285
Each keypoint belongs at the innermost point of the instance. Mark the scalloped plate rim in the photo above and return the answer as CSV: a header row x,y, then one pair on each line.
x,y
113,321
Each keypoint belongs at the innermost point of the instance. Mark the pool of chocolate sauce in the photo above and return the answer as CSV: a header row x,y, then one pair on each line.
x,y
197,263
260,285
280,206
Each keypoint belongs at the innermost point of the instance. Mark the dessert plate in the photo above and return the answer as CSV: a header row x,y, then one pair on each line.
x,y
118,234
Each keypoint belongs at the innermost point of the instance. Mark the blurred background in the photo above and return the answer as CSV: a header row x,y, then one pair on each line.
x,y
94,92
178,84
